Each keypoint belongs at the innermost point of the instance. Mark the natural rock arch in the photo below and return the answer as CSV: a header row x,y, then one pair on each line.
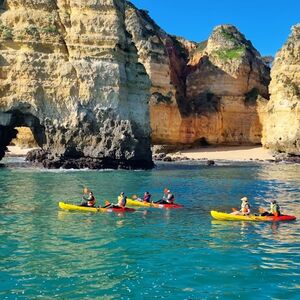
x,y
15,118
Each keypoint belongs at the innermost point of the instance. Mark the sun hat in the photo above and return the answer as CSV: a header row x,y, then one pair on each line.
x,y
245,199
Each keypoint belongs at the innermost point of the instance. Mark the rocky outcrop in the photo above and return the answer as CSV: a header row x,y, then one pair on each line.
x,y
70,72
226,76
201,91
282,124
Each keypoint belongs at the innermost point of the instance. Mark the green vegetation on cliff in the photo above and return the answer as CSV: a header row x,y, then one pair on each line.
x,y
229,54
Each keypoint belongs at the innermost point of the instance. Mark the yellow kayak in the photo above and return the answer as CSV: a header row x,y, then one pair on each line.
x,y
67,206
131,202
229,217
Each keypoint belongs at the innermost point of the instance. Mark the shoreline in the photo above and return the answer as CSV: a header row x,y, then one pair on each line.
x,y
16,151
228,153
225,153
207,155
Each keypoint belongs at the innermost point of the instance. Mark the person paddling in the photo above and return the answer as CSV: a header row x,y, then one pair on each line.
x,y
168,198
245,208
122,200
147,197
90,201
274,210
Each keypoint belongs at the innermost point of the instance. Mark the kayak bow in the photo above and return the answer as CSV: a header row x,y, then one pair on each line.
x,y
230,217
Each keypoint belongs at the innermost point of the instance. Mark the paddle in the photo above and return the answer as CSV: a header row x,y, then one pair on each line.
x,y
134,197
234,209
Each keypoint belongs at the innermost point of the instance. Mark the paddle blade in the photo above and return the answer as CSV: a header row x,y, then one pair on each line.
x,y
234,209
261,210
107,202
134,197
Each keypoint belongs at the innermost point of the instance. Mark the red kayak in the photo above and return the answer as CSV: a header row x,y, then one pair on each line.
x,y
168,206
120,209
280,218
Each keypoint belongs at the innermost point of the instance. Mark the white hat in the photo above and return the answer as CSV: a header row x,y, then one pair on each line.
x,y
245,199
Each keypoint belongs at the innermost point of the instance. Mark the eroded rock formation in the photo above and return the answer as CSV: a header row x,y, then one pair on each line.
x,y
282,124
24,138
70,72
201,91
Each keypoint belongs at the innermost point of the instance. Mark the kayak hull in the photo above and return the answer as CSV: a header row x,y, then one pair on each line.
x,y
229,217
72,207
131,202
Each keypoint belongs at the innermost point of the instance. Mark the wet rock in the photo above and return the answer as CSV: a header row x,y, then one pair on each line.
x,y
270,160
52,162
168,159
284,157
210,162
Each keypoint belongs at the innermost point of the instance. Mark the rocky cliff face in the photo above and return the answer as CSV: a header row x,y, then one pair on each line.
x,y
70,72
282,124
201,91
165,60
226,76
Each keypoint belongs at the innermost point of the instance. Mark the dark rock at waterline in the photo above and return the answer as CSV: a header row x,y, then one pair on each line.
x,y
270,160
168,159
210,162
159,156
283,157
51,162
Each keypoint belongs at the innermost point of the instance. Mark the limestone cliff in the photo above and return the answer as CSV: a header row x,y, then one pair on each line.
x,y
226,76
201,91
70,72
282,124
165,59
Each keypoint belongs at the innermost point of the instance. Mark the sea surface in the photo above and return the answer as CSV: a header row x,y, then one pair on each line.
x,y
47,253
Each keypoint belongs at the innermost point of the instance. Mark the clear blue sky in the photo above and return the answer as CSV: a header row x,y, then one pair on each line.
x,y
266,23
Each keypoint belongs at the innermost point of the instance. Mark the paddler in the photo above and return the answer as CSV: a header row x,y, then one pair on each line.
x,y
147,197
122,200
168,198
90,201
274,210
245,208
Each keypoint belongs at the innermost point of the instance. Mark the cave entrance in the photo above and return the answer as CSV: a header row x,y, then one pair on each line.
x,y
27,125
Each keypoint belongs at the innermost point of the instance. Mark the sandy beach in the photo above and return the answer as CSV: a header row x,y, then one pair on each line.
x,y
232,153
16,151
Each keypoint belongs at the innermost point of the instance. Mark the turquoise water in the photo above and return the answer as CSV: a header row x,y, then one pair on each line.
x,y
176,254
